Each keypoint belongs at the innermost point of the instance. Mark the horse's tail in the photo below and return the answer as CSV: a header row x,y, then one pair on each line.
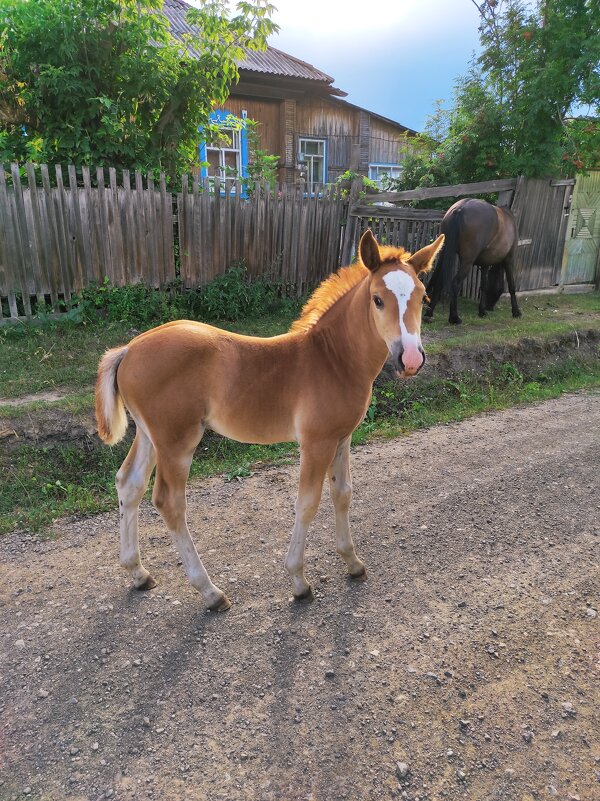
x,y
110,409
444,272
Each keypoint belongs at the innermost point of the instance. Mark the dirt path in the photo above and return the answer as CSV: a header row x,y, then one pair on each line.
x,y
466,667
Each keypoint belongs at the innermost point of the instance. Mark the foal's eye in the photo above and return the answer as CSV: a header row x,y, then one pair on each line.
x,y
377,301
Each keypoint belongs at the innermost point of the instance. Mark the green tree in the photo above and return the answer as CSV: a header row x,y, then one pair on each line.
x,y
104,82
512,113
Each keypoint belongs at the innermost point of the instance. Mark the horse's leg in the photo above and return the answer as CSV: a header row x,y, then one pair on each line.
x,y
483,292
315,458
132,480
340,484
454,290
510,280
434,291
172,472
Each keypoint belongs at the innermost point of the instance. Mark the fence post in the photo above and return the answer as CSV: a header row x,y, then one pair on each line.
x,y
350,230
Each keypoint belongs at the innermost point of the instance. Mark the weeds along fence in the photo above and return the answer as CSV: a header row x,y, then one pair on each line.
x,y
61,231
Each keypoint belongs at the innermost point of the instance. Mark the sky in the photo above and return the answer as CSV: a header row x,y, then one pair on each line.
x,y
394,57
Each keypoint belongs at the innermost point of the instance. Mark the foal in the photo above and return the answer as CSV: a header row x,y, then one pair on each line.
x,y
312,385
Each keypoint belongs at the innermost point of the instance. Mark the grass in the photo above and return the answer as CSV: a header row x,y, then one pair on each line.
x,y
45,484
544,316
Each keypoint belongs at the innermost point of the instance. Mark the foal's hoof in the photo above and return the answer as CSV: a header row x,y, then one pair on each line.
x,y
149,584
305,597
517,314
455,321
362,576
221,605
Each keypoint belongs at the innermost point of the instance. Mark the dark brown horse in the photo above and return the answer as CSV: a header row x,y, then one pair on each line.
x,y
478,233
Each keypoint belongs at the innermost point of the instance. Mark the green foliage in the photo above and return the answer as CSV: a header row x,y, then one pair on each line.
x,y
511,112
367,185
262,165
136,304
230,296
103,82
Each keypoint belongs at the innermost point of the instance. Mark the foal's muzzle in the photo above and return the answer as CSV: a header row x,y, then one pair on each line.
x,y
408,362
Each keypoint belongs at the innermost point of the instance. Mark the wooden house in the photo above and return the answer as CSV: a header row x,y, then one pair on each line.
x,y
302,118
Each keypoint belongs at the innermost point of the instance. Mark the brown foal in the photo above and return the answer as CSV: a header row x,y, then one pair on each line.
x,y
312,385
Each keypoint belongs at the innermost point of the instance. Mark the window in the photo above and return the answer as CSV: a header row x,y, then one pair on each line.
x,y
311,153
225,154
377,172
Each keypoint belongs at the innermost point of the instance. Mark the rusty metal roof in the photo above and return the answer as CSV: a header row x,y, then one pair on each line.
x,y
268,62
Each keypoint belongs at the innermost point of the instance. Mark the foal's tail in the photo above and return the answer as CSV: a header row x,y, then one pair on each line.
x,y
110,409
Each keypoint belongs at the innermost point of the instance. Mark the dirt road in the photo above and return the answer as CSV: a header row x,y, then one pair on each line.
x,y
465,667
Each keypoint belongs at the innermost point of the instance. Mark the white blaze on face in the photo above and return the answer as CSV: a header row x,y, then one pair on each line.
x,y
402,285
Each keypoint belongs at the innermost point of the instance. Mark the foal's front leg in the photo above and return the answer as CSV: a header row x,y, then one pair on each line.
x,y
340,484
315,458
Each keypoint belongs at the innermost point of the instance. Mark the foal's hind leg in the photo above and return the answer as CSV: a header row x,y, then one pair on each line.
x,y
315,458
132,480
169,498
340,484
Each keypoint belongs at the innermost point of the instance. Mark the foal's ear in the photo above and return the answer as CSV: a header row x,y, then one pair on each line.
x,y
423,259
369,251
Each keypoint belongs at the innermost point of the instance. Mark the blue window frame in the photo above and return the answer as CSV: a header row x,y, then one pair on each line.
x,y
227,157
378,170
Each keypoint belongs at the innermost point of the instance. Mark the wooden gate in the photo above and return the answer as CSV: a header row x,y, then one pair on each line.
x,y
581,264
541,207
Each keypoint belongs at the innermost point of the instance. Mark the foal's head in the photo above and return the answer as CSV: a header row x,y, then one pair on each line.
x,y
397,296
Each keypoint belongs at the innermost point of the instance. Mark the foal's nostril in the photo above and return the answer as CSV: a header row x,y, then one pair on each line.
x,y
400,362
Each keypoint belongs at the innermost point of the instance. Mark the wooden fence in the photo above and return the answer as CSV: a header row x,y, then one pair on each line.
x,y
59,234
56,238
292,236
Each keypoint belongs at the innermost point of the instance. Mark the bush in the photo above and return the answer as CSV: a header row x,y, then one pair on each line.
x,y
230,296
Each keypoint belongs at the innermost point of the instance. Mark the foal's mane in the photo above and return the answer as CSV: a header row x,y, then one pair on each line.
x,y
337,285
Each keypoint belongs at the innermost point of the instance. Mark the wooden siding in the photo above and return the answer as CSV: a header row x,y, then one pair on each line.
x,y
355,138
322,117
267,113
387,144
336,124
